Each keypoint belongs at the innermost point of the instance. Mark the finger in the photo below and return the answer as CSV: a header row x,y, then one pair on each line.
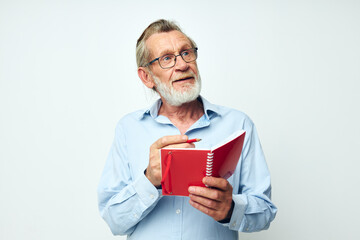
x,y
168,140
181,145
219,183
211,212
209,203
209,193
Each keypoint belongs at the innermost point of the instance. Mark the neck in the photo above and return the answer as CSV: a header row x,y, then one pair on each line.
x,y
182,116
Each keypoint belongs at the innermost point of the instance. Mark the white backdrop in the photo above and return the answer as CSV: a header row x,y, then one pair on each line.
x,y
68,74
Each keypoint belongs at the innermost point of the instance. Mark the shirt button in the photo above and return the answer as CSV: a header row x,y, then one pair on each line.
x,y
178,211
234,224
152,196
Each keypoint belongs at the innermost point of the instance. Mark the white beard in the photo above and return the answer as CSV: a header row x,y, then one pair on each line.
x,y
175,97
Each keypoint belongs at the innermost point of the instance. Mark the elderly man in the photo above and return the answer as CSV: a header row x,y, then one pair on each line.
x,y
130,198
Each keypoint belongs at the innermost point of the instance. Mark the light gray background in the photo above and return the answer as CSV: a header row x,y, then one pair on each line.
x,y
68,74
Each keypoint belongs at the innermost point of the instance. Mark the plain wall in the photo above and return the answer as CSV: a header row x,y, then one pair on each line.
x,y
68,74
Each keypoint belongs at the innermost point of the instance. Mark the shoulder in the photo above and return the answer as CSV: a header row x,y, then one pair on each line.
x,y
233,114
225,113
130,119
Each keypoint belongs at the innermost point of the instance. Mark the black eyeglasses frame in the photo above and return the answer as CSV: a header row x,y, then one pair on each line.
x,y
157,59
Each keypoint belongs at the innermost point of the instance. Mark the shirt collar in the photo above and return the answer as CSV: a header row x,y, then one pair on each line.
x,y
210,109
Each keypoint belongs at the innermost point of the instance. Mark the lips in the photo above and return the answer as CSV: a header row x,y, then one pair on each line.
x,y
183,79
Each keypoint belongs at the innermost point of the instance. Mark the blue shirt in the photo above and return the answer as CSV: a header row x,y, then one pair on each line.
x,y
131,205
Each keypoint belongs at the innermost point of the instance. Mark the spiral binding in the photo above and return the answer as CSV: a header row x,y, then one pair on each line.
x,y
209,164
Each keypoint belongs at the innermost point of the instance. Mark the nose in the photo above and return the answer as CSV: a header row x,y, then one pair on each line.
x,y
180,64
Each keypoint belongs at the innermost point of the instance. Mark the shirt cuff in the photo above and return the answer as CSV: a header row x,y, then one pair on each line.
x,y
238,212
147,192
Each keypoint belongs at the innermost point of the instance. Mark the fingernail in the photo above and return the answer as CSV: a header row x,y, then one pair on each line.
x,y
191,189
204,180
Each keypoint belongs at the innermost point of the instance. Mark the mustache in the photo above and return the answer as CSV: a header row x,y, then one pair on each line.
x,y
182,76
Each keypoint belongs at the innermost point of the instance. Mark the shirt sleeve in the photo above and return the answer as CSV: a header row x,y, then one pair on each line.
x,y
253,209
123,201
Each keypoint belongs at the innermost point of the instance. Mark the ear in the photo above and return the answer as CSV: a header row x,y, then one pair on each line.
x,y
145,77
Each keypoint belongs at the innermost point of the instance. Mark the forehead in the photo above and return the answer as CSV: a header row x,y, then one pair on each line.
x,y
167,42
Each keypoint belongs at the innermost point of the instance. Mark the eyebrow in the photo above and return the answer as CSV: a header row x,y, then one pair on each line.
x,y
167,51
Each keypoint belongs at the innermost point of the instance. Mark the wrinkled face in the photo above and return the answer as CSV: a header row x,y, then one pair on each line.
x,y
182,80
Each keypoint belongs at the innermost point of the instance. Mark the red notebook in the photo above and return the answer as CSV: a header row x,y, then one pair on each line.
x,y
184,167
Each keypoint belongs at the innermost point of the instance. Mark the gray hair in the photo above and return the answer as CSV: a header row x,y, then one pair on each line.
x,y
159,26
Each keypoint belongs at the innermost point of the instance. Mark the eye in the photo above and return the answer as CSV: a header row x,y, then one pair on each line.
x,y
166,58
185,53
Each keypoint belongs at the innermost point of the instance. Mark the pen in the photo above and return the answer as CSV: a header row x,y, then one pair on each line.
x,y
193,140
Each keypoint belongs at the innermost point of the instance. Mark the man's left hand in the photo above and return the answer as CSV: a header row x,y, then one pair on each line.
x,y
215,201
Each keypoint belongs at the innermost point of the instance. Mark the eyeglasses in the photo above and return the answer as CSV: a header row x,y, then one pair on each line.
x,y
169,60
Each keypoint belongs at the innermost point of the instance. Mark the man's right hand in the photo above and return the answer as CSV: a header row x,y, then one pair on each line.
x,y
153,171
